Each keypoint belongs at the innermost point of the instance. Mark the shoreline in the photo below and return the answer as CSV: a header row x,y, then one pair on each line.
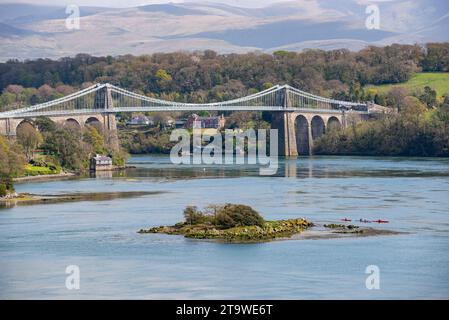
x,y
45,177
63,175
275,230
32,199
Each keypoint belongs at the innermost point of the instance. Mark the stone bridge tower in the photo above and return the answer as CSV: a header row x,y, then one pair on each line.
x,y
103,102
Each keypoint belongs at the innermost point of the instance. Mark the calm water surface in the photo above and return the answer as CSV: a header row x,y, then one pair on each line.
x,y
38,242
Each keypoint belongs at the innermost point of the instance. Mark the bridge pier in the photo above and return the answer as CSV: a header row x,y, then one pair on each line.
x,y
282,121
110,131
8,126
298,130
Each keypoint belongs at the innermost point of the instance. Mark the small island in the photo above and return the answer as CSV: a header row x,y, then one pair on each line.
x,y
238,223
231,223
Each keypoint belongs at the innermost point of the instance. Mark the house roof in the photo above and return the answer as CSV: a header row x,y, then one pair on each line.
x,y
204,118
102,158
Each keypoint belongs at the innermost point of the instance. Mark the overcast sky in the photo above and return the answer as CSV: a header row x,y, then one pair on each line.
x,y
132,3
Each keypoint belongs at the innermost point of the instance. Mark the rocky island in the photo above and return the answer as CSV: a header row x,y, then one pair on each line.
x,y
231,223
238,223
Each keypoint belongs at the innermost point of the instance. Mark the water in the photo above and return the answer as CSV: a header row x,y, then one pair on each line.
x,y
38,242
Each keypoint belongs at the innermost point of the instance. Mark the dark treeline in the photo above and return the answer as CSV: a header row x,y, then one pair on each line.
x,y
208,76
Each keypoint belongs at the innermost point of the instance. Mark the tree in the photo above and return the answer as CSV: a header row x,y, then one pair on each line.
x,y
12,163
443,110
267,85
94,138
46,92
192,215
233,215
379,99
395,97
29,138
67,146
437,57
412,108
163,78
429,97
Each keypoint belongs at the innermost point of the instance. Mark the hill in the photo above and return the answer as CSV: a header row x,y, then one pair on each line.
x,y
35,31
438,81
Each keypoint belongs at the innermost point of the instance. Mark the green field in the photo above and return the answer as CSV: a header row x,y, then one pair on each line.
x,y
31,170
437,81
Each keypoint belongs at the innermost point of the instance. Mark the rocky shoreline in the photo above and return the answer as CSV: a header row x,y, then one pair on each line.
x,y
293,229
269,231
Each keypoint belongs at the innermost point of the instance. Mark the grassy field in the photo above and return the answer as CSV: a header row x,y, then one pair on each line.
x,y
437,81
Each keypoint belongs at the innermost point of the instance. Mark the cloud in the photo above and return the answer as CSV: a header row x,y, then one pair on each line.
x,y
133,3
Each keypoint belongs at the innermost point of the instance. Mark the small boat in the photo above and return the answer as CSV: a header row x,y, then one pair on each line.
x,y
346,219
381,221
364,221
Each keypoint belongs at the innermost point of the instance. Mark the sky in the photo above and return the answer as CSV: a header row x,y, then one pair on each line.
x,y
133,3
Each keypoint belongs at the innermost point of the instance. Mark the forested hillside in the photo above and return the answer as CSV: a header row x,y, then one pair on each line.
x,y
419,128
208,76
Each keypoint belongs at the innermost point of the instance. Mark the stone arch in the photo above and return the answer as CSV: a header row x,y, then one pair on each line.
x,y
72,124
333,124
95,122
318,127
44,124
302,135
24,124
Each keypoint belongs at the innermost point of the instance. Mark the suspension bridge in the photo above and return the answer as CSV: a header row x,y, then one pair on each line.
x,y
294,110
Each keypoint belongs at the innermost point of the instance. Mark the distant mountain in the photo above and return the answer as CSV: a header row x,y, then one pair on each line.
x,y
7,31
171,9
32,31
282,33
28,13
11,11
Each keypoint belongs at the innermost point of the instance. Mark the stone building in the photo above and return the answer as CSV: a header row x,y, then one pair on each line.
x,y
100,163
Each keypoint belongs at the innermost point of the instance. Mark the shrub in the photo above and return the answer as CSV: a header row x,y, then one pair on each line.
x,y
234,215
6,185
3,190
224,216
193,216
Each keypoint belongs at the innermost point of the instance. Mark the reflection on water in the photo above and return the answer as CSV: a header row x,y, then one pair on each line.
x,y
303,167
37,242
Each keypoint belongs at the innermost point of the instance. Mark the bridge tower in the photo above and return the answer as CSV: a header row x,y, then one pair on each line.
x,y
299,127
286,127
104,103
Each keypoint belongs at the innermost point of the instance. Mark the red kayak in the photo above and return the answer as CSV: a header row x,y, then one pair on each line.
x,y
381,221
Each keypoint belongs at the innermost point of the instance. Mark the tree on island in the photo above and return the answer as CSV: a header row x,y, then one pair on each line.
x,y
224,216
